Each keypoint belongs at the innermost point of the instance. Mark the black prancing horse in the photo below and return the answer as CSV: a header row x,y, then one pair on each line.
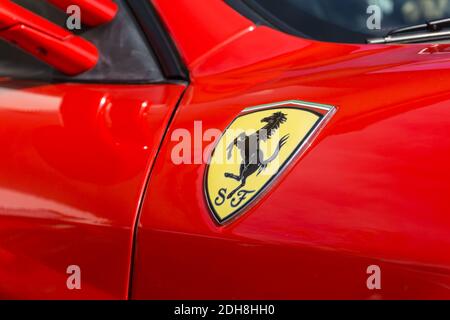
x,y
252,156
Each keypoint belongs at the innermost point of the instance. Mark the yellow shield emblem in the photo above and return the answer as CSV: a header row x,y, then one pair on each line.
x,y
253,151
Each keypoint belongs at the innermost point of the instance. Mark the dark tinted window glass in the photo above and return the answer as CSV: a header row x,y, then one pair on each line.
x,y
347,20
124,53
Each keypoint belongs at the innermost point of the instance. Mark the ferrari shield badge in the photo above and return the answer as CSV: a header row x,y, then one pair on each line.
x,y
254,150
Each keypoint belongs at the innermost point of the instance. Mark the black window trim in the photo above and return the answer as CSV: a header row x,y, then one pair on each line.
x,y
160,41
258,16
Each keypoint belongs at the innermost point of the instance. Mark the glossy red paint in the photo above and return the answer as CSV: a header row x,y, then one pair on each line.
x,y
46,41
94,12
371,189
73,165
200,29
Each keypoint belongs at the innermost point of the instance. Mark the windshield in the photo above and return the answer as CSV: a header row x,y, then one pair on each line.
x,y
351,21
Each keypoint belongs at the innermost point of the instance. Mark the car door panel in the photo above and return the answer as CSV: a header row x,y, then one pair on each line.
x,y
73,166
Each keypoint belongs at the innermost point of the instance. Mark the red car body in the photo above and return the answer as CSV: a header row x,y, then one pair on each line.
x,y
86,175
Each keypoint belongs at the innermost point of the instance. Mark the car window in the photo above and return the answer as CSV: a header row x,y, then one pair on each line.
x,y
351,21
125,55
